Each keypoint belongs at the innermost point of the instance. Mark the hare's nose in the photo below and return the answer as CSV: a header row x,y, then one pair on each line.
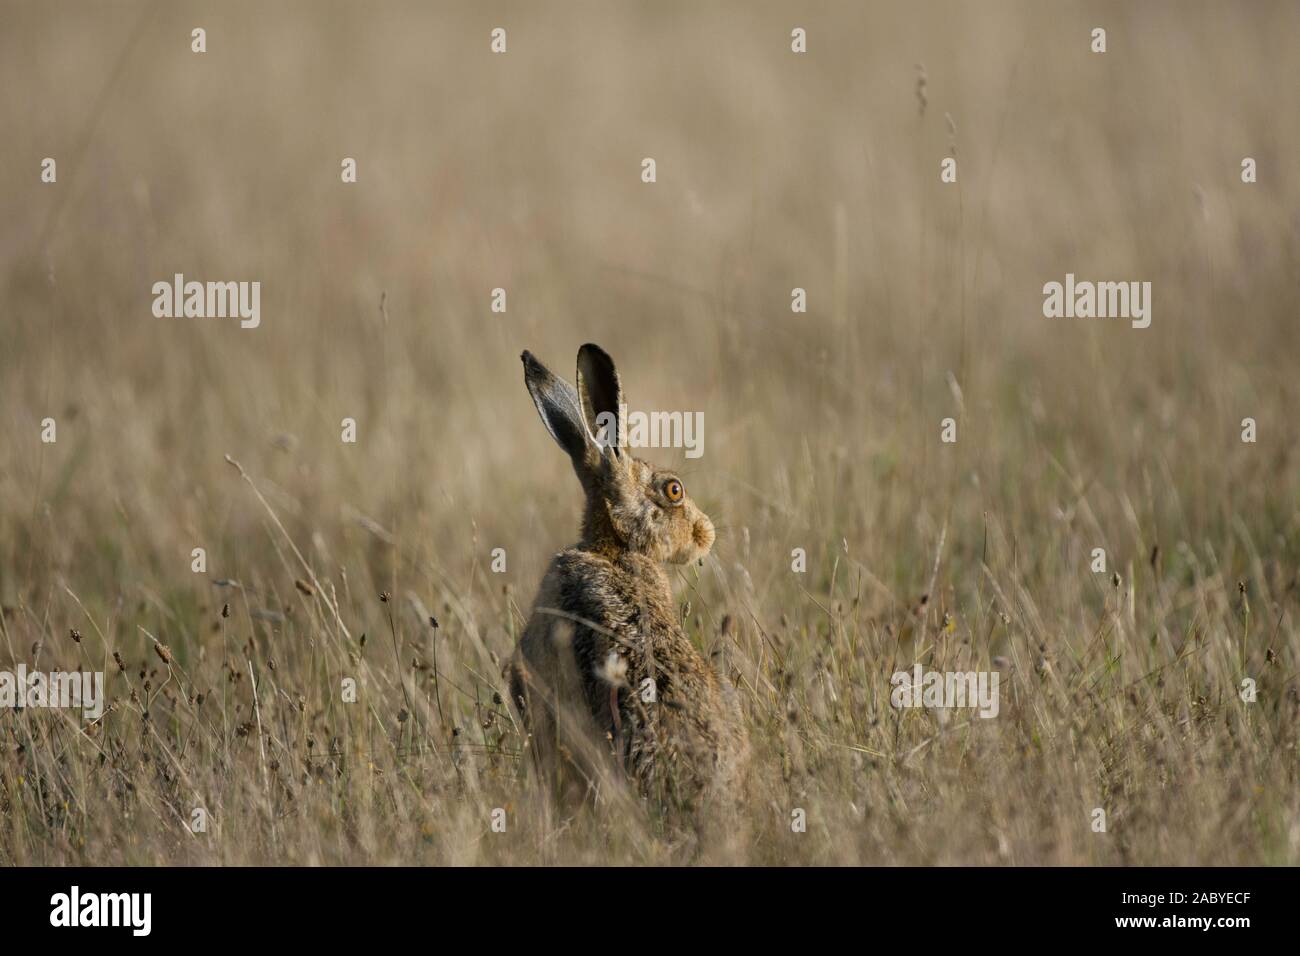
x,y
703,534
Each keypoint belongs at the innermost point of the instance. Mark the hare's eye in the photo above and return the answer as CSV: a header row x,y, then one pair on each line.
x,y
673,490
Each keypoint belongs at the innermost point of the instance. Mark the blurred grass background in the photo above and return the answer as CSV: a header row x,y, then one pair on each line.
x,y
775,171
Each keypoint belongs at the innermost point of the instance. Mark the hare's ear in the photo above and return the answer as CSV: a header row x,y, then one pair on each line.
x,y
560,409
601,396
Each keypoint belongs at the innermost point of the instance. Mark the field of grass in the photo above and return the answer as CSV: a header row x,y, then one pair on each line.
x,y
326,560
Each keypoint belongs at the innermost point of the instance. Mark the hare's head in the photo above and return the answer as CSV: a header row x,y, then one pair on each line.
x,y
631,505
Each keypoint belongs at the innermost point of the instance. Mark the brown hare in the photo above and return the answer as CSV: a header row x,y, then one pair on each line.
x,y
604,675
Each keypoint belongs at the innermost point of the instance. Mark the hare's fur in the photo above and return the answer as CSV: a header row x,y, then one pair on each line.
x,y
604,675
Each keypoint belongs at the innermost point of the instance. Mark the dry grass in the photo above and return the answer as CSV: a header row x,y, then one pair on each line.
x,y
775,171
